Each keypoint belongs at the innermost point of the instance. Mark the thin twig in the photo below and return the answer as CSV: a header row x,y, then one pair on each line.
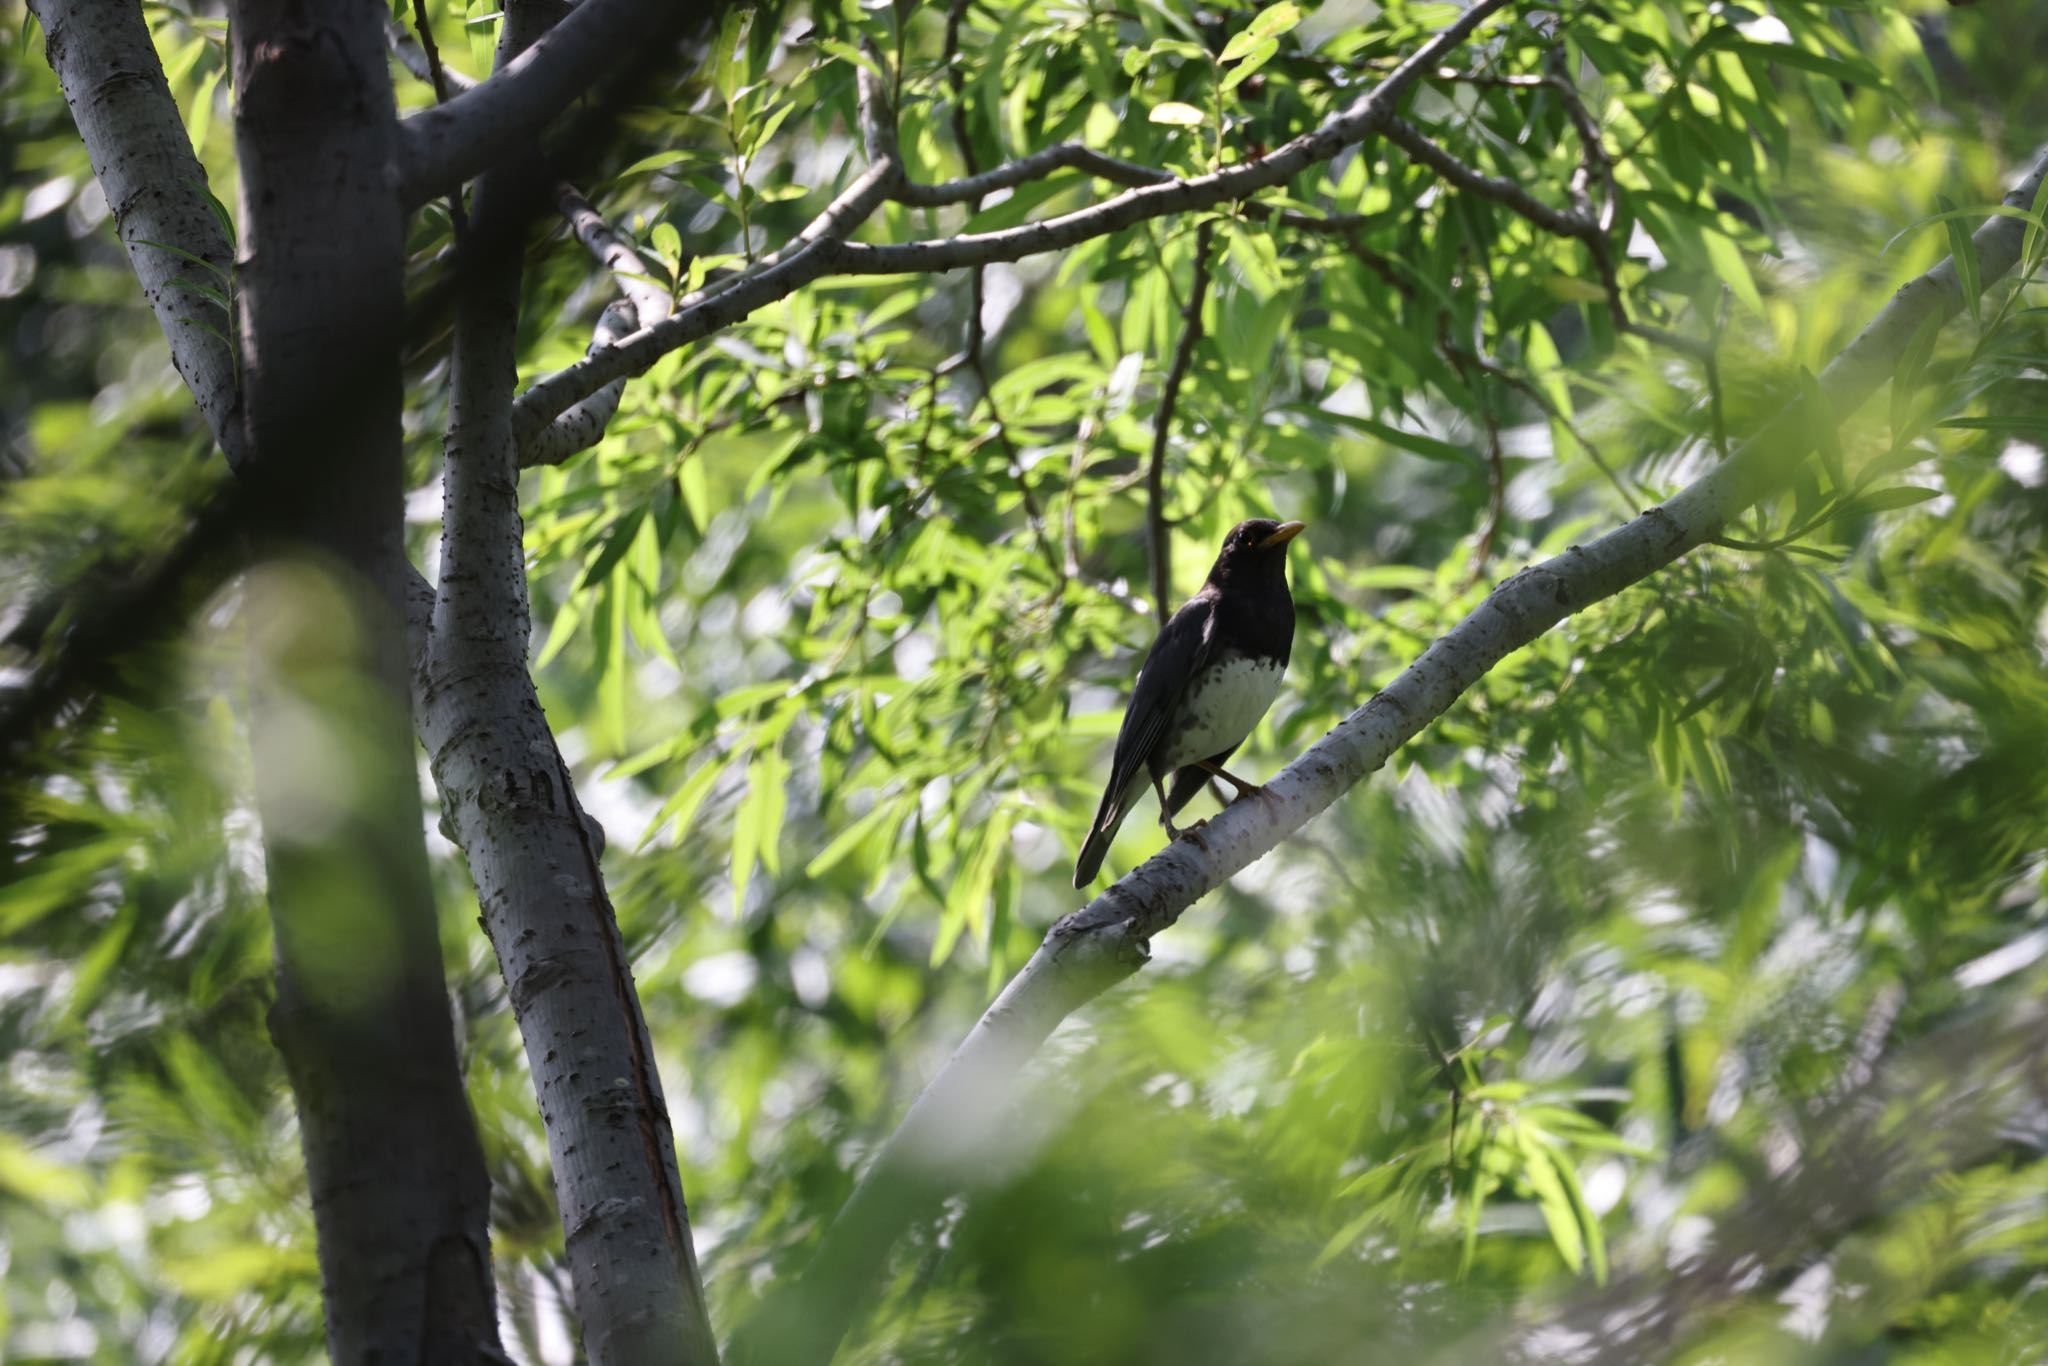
x,y
972,350
1466,364
458,217
975,186
1629,499
1158,532
1506,193
823,248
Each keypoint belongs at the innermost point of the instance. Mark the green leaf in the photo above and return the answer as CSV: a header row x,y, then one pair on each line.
x,y
2035,245
666,241
1178,114
2015,423
1275,20
1883,500
1955,215
852,837
1415,443
1963,252
1906,379
1239,44
201,120
185,255
695,491
1558,1212
1726,259
681,806
1823,428
618,540
1257,57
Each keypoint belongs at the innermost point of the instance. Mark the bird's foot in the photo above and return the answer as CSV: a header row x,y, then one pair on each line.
x,y
1191,833
1244,789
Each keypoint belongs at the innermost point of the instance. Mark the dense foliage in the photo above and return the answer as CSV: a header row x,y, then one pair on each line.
x,y
837,621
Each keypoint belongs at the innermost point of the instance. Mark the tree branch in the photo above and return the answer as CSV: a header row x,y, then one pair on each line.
x,y
420,64
400,1193
1507,193
699,314
533,853
973,187
584,425
822,248
1085,953
483,126
178,246
647,302
616,253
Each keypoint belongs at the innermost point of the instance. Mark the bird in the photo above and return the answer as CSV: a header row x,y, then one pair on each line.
x,y
1208,678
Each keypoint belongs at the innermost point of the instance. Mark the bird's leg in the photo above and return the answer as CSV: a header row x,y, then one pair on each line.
x,y
1244,789
1173,832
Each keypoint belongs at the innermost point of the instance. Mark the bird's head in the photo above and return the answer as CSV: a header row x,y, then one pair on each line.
x,y
1255,549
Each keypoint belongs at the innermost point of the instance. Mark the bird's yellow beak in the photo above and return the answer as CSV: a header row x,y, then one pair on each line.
x,y
1287,532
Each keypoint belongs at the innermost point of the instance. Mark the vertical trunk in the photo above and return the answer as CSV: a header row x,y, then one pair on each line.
x,y
532,852
399,1191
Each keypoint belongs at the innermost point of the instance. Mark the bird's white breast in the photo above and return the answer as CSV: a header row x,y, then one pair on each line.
x,y
1219,709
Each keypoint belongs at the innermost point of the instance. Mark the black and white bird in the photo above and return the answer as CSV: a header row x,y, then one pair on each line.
x,y
1205,683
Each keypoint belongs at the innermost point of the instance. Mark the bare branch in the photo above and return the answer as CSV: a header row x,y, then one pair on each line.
x,y
481,127
583,426
1008,176
165,217
1507,193
803,259
1467,363
617,254
1158,536
822,248
533,854
422,66
1087,952
437,75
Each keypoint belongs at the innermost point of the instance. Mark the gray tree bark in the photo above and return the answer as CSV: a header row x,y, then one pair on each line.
x,y
400,1195
114,86
533,854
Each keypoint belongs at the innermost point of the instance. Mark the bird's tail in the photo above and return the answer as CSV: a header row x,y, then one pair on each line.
x,y
1115,806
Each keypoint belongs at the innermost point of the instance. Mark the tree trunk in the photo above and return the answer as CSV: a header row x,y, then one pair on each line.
x,y
532,852
399,1190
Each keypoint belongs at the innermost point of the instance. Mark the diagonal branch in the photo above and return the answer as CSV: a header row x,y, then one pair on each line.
x,y
489,123
422,65
823,249
615,252
970,1097
1412,140
803,259
177,240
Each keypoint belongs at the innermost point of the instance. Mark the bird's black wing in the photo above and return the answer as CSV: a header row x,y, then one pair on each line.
x,y
1180,652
